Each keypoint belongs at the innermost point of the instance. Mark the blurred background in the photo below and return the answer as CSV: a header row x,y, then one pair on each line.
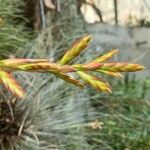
x,y
46,29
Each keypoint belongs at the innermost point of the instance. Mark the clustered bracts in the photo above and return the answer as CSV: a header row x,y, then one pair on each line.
x,y
63,67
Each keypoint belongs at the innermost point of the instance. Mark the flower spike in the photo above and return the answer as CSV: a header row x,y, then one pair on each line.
x,y
113,67
95,82
61,68
106,56
11,84
76,49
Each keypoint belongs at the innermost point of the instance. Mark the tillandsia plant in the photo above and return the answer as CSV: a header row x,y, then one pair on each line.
x,y
63,67
46,119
